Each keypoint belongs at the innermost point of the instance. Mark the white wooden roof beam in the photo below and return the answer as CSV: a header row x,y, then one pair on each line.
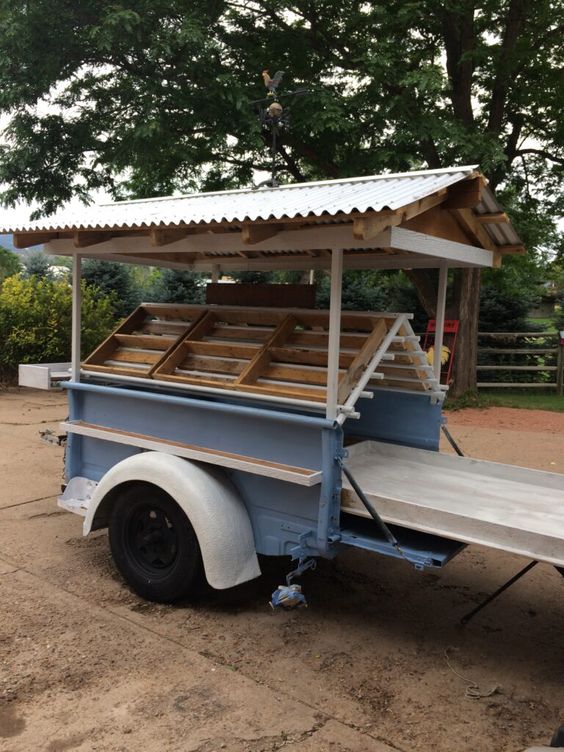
x,y
318,238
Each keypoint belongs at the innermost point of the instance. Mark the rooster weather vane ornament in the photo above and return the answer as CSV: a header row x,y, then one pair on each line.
x,y
274,118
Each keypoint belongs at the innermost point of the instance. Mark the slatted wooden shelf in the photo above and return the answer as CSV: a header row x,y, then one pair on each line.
x,y
291,473
265,351
279,353
407,368
143,340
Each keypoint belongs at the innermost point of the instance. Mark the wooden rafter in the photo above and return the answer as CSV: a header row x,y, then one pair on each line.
x,y
86,238
367,227
466,194
29,239
251,233
467,220
164,235
492,218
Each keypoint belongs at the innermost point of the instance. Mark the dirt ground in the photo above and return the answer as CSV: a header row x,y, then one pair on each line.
x,y
376,663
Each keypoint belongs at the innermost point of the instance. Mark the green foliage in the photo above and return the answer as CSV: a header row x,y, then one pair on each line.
x,y
9,264
254,278
556,275
508,294
35,321
500,311
357,294
170,286
153,96
525,399
114,280
37,264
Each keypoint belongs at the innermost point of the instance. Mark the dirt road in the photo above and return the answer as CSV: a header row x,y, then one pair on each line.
x,y
369,666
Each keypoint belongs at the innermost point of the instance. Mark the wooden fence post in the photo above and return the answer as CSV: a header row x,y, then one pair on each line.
x,y
560,364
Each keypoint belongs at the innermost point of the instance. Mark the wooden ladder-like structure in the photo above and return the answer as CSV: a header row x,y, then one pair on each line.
x,y
266,351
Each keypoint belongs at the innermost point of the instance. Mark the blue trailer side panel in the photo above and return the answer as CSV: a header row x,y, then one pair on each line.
x,y
398,418
284,515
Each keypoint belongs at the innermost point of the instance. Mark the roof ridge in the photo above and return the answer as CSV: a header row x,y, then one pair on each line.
x,y
294,186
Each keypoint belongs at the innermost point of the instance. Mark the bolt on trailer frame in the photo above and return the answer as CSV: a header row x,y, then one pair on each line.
x,y
258,465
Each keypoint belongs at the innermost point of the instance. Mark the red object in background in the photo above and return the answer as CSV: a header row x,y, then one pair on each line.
x,y
449,339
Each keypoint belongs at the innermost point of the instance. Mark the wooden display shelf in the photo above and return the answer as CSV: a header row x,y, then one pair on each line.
x,y
143,340
264,351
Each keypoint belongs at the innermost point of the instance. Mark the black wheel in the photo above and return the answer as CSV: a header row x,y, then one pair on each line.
x,y
153,544
558,738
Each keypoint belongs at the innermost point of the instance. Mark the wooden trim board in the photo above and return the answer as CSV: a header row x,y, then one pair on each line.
x,y
292,474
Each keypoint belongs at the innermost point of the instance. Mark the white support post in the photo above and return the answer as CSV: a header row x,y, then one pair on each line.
x,y
76,317
215,273
334,333
440,321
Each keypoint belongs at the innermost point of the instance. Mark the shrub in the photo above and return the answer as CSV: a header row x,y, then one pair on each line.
x,y
37,264
35,321
503,311
9,264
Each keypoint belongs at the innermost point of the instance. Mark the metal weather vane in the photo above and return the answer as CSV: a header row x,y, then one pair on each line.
x,y
274,118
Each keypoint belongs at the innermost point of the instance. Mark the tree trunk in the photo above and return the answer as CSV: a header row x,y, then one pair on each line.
x,y
467,301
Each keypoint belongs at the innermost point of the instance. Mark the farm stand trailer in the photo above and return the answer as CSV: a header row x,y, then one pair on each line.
x,y
203,435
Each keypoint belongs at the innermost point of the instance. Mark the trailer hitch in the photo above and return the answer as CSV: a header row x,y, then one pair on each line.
x,y
290,595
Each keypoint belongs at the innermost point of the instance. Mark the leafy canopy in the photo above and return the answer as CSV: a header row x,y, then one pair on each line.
x,y
152,96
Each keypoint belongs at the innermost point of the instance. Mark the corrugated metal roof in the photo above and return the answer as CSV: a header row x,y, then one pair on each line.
x,y
329,197
503,233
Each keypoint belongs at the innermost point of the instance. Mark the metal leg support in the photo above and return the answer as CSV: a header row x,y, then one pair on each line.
x,y
499,591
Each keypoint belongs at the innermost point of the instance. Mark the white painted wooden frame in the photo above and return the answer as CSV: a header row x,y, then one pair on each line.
x,y
76,317
440,321
334,334
420,250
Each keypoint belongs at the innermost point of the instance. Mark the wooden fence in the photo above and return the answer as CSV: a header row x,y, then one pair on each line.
x,y
521,360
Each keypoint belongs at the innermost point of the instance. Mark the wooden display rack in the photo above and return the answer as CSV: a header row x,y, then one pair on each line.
x,y
265,351
143,340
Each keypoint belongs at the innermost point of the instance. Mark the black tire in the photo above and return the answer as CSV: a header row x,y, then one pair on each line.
x,y
153,544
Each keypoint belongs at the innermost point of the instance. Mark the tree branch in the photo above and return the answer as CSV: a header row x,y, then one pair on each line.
x,y
541,153
515,18
291,164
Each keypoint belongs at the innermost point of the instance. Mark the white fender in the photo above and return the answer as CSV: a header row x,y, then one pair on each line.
x,y
212,504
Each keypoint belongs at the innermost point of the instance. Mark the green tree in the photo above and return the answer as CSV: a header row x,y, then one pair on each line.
x,y
9,264
114,280
35,321
171,286
153,96
37,264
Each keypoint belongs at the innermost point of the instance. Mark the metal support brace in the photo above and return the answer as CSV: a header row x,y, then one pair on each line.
x,y
384,529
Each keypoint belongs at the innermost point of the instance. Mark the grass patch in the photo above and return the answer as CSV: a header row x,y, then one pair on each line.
x,y
520,398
